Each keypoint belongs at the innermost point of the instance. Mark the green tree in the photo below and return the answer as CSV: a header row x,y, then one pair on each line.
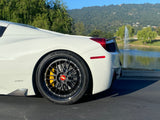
x,y
109,35
41,21
79,28
96,33
158,31
121,31
50,15
62,22
146,35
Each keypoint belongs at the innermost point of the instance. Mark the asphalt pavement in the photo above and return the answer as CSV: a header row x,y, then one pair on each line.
x,y
130,98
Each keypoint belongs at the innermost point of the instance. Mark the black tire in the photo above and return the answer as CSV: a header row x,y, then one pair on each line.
x,y
62,77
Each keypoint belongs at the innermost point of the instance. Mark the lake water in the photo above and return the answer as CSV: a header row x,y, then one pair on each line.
x,y
141,58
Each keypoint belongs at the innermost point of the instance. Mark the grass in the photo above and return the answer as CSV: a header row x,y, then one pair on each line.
x,y
138,43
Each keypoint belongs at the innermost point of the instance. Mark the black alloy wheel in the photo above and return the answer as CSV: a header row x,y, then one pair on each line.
x,y
62,77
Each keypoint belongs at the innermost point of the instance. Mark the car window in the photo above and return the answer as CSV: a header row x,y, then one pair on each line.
x,y
2,29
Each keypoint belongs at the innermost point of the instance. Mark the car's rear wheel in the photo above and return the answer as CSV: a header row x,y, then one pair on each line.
x,y
62,77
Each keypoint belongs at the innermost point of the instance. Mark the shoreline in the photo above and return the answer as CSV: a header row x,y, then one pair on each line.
x,y
139,46
146,46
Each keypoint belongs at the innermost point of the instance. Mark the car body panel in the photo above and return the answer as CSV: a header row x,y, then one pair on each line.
x,y
21,47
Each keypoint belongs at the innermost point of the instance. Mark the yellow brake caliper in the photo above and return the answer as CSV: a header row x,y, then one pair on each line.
x,y
52,77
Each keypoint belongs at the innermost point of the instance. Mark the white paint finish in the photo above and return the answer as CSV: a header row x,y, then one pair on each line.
x,y
101,70
21,47
4,23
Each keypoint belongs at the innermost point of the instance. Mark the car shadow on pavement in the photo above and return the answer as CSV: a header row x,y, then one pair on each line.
x,y
121,87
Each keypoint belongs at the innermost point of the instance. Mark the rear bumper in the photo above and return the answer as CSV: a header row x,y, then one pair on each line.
x,y
118,72
116,64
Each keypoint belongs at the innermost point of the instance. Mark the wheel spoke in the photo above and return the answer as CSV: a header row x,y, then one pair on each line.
x,y
72,71
50,79
64,88
52,75
69,63
50,69
57,68
56,89
63,65
61,86
60,66
73,75
71,84
67,87
56,84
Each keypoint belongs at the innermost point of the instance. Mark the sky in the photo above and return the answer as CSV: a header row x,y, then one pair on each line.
x,y
78,4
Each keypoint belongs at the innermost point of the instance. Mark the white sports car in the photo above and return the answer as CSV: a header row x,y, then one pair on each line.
x,y
60,67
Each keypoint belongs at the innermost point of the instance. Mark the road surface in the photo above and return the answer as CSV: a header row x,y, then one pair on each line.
x,y
130,98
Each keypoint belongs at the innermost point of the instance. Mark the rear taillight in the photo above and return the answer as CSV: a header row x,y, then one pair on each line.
x,y
108,44
101,41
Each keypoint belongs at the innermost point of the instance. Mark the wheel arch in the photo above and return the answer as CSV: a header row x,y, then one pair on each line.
x,y
90,89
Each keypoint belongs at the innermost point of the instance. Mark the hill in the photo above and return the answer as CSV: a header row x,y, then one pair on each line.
x,y
110,18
